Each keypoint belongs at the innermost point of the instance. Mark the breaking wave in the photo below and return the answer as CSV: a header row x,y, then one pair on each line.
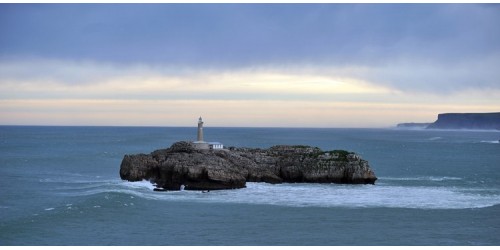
x,y
422,178
435,138
494,142
314,195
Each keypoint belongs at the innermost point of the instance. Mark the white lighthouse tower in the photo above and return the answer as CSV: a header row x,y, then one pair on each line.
x,y
200,130
201,144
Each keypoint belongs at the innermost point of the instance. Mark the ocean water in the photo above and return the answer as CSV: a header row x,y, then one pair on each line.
x,y
61,186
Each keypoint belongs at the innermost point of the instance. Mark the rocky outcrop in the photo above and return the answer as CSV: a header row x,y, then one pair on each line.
x,y
482,121
183,164
467,121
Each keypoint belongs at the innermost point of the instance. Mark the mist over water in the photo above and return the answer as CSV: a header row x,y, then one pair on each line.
x,y
61,186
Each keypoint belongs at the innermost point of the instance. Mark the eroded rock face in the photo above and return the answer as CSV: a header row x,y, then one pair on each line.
x,y
183,164
488,121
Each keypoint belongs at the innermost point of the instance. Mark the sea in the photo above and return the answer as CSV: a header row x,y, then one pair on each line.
x,y
61,186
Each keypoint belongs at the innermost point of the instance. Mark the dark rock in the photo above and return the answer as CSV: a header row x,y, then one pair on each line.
x,y
486,121
183,164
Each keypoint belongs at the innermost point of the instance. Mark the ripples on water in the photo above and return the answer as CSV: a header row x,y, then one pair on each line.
x,y
62,186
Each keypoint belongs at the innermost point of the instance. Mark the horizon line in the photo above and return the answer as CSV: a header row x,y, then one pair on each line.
x,y
159,126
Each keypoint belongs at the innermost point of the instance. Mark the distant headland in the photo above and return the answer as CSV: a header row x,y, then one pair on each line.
x,y
201,165
481,121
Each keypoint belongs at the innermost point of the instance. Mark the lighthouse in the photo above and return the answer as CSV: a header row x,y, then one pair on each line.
x,y
201,144
200,130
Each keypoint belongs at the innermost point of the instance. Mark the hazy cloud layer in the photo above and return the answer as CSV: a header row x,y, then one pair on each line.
x,y
303,65
429,48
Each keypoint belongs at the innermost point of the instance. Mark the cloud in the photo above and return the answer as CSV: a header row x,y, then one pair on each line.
x,y
321,65
59,92
45,79
274,113
76,72
411,47
228,34
426,76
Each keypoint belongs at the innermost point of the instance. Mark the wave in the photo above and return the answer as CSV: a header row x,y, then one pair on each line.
x,y
313,195
73,180
422,178
435,138
494,142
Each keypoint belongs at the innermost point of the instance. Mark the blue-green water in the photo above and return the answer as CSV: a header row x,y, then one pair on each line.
x,y
61,186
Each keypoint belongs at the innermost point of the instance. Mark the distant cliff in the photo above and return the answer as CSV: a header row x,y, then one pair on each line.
x,y
467,121
197,169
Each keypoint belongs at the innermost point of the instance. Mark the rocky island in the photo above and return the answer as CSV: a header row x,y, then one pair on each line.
x,y
202,165
185,164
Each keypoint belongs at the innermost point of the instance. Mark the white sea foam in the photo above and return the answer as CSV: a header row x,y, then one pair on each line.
x,y
139,184
49,209
332,195
435,138
363,196
494,142
422,178
320,195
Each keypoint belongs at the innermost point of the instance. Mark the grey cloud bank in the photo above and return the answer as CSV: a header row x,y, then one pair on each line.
x,y
437,48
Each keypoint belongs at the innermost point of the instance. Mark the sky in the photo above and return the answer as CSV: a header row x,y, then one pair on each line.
x,y
246,65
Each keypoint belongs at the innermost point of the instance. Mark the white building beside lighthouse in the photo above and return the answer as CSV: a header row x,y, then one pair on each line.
x,y
201,144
